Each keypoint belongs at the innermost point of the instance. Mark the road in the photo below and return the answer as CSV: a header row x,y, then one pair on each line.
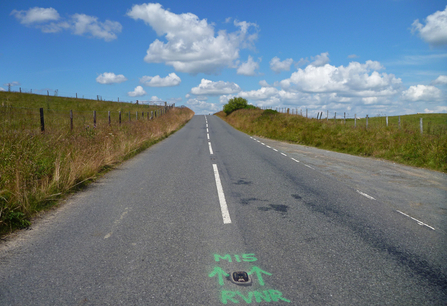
x,y
170,227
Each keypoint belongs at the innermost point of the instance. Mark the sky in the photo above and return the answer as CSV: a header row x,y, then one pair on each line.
x,y
376,58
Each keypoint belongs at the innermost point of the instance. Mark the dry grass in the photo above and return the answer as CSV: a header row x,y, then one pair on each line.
x,y
37,169
404,145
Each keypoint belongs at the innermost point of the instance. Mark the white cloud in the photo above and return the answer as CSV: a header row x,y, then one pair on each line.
x,y
261,94
138,92
191,46
110,78
422,93
277,66
80,24
353,56
36,15
154,98
354,80
15,83
171,80
436,109
435,30
2,89
248,68
203,107
264,83
207,87
441,80
320,60
84,24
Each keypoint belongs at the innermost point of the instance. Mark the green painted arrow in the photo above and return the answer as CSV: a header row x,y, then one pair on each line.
x,y
259,273
220,273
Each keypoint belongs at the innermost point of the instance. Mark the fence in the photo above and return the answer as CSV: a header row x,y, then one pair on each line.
x,y
410,121
15,118
56,93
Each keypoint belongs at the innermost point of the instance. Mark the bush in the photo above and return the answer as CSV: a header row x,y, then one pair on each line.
x,y
235,104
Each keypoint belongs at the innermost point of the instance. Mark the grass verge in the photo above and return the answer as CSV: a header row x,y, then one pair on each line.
x,y
37,169
404,144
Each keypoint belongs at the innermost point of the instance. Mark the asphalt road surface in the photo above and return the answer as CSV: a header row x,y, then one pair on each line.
x,y
211,216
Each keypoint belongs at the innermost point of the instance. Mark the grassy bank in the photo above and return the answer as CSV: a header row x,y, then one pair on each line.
x,y
403,144
37,169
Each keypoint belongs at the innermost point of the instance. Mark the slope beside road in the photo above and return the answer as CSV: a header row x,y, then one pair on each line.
x,y
171,226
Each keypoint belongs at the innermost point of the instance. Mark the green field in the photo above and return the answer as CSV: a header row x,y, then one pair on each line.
x,y
38,168
402,143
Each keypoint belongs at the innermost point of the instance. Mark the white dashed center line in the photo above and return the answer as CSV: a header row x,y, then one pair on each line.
x,y
365,195
223,203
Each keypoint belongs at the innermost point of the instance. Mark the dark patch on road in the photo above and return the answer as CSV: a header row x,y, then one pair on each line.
x,y
243,182
247,201
276,207
296,196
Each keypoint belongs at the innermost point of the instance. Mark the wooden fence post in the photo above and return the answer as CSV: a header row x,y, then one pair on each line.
x,y
152,115
399,122
420,124
335,117
94,118
386,120
71,120
42,121
355,120
119,117
109,118
344,118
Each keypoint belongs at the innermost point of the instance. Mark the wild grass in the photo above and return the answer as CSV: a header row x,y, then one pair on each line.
x,y
37,169
404,144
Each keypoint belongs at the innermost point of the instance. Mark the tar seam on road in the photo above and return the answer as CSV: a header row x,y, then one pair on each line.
x,y
418,221
223,204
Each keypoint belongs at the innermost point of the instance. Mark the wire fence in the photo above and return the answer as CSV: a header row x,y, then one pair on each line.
x,y
57,93
414,122
40,119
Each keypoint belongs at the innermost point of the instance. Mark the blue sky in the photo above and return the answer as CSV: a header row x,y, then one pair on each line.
x,y
360,57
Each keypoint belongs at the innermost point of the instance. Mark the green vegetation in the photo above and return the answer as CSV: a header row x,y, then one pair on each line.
x,y
403,144
38,169
235,104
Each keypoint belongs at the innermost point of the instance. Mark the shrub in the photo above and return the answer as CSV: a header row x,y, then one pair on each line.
x,y
235,104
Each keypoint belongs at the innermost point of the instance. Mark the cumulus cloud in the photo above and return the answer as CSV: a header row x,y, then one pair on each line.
x,y
248,68
138,92
202,106
320,60
354,80
207,87
155,98
441,80
110,78
48,20
36,15
171,80
89,25
277,66
192,46
261,94
434,31
422,93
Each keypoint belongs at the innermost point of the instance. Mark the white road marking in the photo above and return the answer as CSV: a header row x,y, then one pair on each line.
x,y
223,204
263,143
295,159
418,221
274,150
365,195
208,136
308,166
283,154
269,147
211,149
207,130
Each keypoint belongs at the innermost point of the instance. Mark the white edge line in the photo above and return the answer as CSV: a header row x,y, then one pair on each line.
x,y
223,204
268,147
414,219
308,166
365,195
208,136
274,150
283,154
211,149
294,159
